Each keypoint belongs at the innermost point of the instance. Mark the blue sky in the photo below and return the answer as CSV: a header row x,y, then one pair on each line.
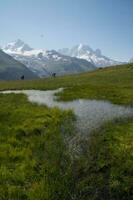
x,y
104,24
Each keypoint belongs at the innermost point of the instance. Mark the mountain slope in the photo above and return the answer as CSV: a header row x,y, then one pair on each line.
x,y
10,69
44,62
85,52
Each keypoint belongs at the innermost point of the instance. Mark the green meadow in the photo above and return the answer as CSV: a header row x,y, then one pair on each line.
x,y
35,159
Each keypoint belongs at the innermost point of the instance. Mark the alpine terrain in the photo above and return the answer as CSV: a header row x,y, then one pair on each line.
x,y
45,62
86,52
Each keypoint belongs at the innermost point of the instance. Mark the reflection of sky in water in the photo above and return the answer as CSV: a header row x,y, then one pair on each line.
x,y
90,113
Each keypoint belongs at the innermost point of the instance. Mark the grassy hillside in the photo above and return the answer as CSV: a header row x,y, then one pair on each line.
x,y
35,161
11,69
112,83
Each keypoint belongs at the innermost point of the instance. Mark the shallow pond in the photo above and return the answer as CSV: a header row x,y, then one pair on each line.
x,y
91,114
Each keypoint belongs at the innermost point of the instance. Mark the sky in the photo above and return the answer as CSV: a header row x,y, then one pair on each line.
x,y
55,24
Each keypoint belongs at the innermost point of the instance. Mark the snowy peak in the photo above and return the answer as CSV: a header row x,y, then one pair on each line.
x,y
80,49
20,48
17,47
83,47
76,51
83,51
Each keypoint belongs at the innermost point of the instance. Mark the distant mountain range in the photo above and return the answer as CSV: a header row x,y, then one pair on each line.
x,y
44,62
85,52
10,69
80,58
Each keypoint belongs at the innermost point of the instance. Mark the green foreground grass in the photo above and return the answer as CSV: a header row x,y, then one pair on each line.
x,y
33,154
35,162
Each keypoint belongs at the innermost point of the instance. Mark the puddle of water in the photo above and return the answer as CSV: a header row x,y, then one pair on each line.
x,y
91,114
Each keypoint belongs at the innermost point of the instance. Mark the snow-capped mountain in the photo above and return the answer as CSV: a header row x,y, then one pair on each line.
x,y
44,62
85,52
17,47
